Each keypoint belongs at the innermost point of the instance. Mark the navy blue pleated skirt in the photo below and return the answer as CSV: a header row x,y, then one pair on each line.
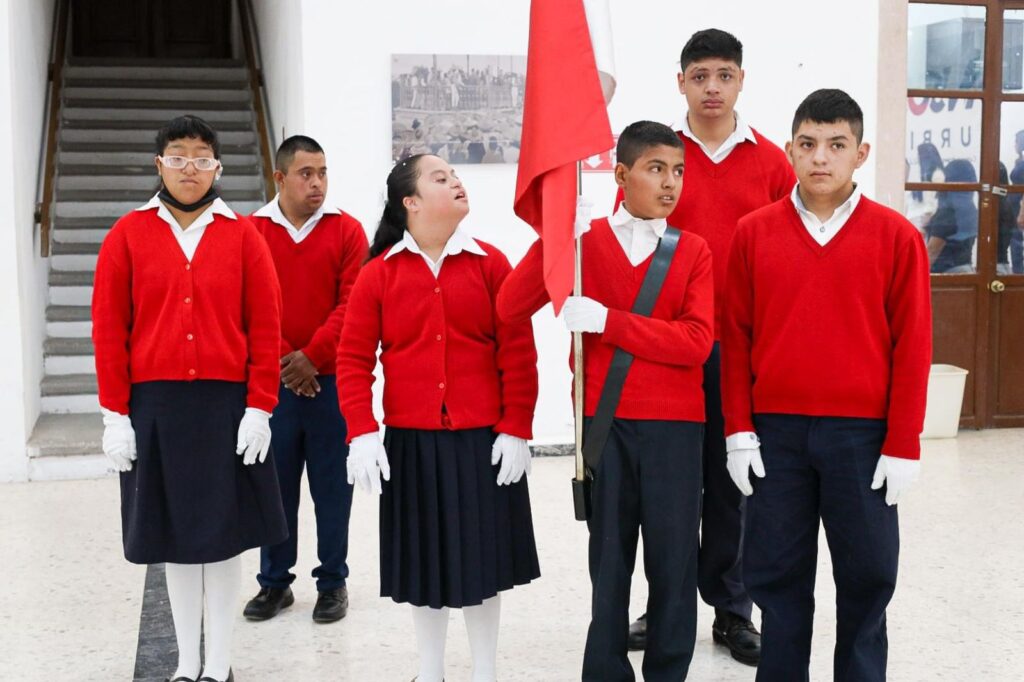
x,y
449,534
189,499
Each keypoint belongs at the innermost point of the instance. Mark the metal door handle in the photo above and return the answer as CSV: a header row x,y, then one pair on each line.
x,y
996,287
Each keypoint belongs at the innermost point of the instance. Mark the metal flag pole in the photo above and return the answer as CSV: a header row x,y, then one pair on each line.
x,y
581,496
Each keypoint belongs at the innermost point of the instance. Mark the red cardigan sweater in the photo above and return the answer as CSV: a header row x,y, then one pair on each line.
x,y
670,346
449,363
841,330
156,316
716,195
316,277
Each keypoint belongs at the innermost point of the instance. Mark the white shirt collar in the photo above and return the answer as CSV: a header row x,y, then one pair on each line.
x,y
457,243
273,211
218,207
846,208
623,218
742,133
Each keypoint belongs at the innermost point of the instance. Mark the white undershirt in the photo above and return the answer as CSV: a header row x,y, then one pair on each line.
x,y
742,133
823,232
273,211
188,238
457,243
638,238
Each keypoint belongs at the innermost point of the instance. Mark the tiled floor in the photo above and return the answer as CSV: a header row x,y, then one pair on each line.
x,y
71,603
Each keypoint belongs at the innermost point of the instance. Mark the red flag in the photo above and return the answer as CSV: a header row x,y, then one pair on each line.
x,y
564,120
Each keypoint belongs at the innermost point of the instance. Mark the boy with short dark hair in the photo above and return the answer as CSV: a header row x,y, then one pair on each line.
x,y
731,170
826,352
648,478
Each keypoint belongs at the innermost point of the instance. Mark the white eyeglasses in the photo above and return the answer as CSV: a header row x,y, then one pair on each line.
x,y
203,163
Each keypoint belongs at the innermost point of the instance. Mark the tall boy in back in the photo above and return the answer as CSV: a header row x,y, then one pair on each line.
x,y
826,350
731,170
648,479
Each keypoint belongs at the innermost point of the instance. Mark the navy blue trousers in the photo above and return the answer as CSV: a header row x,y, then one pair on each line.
x,y
720,562
648,481
820,468
310,433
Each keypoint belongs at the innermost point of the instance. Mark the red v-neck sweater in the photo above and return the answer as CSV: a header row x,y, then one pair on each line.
x,y
716,196
449,363
670,346
841,330
157,316
316,277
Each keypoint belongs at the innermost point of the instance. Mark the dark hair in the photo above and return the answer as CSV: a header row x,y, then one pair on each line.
x,y
395,219
929,160
711,43
638,137
829,105
295,143
187,126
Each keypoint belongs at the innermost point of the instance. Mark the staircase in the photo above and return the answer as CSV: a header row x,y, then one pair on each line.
x,y
110,114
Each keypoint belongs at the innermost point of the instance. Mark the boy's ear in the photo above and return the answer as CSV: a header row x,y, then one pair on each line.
x,y
621,171
789,151
863,150
278,178
681,81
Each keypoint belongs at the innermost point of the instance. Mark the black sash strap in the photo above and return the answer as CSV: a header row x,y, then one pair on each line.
x,y
611,392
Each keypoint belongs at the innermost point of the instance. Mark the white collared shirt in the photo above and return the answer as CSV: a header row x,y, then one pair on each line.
x,y
273,211
638,238
457,243
823,232
742,133
188,238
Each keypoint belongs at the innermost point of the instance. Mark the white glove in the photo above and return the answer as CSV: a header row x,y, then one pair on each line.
x,y
118,440
897,474
368,462
582,224
253,436
582,314
739,464
514,455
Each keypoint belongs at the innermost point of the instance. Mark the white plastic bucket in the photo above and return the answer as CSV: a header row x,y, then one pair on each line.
x,y
945,401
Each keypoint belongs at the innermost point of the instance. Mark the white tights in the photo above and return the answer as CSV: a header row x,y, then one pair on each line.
x,y
482,627
221,583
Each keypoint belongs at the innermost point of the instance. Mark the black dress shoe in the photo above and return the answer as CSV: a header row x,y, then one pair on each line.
x,y
739,634
331,605
231,678
637,639
268,603
182,678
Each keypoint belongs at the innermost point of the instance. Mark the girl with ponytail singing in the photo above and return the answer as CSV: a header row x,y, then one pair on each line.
x,y
460,389
186,329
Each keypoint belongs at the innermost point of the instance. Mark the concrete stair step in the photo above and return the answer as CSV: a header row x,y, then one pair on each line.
x,y
141,196
145,136
142,124
145,147
155,74
170,81
66,435
157,116
60,278
75,248
68,313
238,93
195,105
100,183
76,330
146,169
156,62
67,346
82,223
69,384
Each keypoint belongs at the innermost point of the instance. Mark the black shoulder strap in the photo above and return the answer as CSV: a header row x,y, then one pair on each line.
x,y
611,392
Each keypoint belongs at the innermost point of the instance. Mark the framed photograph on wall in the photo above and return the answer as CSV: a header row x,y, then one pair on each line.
x,y
464,108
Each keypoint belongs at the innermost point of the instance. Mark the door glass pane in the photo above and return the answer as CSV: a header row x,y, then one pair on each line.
x,y
1013,51
945,46
949,228
1010,242
940,130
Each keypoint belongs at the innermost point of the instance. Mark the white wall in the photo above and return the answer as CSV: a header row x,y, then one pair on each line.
x,y
279,25
791,48
25,43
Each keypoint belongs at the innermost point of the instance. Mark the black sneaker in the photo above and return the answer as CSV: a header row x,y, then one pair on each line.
x,y
739,635
637,639
331,605
268,603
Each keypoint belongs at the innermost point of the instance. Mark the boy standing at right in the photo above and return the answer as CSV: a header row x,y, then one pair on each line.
x,y
731,170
